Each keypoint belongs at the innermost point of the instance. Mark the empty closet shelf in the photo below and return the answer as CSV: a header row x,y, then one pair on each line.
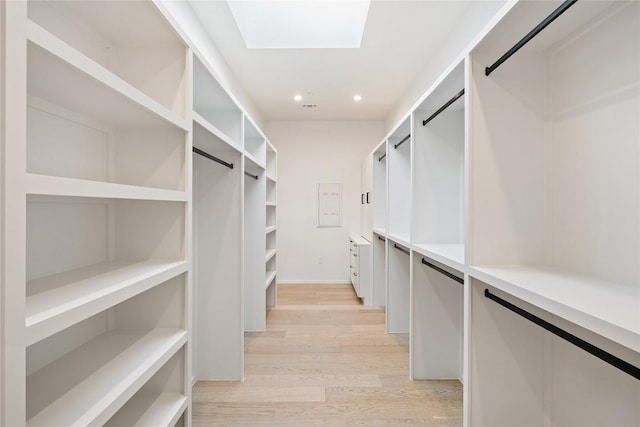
x,y
270,254
163,409
59,186
271,274
451,255
210,128
61,300
400,238
271,229
88,385
605,308
57,71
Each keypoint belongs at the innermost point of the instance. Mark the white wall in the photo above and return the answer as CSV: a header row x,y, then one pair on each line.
x,y
464,33
309,153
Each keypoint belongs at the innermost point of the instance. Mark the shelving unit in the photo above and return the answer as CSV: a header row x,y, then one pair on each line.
x,y
379,270
398,287
438,199
271,226
379,196
212,103
553,142
218,248
399,149
254,245
97,203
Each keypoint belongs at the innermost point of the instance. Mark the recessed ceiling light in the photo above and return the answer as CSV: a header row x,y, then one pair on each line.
x,y
357,98
297,98
293,24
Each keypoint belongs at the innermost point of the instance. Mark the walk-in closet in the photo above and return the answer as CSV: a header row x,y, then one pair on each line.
x,y
267,213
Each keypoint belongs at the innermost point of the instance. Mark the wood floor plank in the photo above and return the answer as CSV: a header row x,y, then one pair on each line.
x,y
326,361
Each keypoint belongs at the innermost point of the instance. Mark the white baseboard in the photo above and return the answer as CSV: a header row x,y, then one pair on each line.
x,y
313,282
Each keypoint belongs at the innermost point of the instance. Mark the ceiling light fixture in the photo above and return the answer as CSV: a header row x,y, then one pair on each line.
x,y
297,98
357,98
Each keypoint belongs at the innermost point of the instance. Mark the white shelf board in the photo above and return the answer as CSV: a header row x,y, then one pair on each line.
x,y
451,255
75,295
380,231
271,204
164,409
206,125
271,274
59,186
270,254
58,72
255,164
608,309
402,239
271,229
120,363
271,177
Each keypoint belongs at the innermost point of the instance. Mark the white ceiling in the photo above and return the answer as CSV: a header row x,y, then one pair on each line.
x,y
399,38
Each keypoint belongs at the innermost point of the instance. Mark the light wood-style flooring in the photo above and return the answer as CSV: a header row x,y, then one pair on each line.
x,y
326,361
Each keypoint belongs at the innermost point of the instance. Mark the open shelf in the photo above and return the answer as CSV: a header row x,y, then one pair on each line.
x,y
271,274
271,229
57,186
270,254
271,193
94,380
130,39
163,409
438,166
255,143
608,309
205,126
451,255
399,180
60,300
401,238
212,103
272,166
253,165
160,401
57,73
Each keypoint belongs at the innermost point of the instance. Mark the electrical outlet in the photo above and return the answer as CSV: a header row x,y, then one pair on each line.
x,y
320,260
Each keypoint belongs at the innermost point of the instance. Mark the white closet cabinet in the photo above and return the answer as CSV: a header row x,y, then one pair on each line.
x,y
554,217
379,196
96,181
271,226
437,231
218,224
378,270
399,148
254,227
360,268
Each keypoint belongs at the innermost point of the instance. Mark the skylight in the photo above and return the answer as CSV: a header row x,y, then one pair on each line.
x,y
300,24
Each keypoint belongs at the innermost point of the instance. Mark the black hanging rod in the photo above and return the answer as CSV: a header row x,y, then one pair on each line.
x,y
444,107
443,271
382,238
382,157
605,356
395,146
251,175
211,157
541,26
401,249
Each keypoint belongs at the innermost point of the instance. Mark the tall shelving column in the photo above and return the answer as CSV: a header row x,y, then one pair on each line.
x,y
255,183
218,226
96,287
271,229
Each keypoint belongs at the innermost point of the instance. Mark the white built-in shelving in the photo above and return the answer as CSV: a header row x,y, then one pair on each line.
x,y
522,194
380,161
271,226
98,195
398,286
554,214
